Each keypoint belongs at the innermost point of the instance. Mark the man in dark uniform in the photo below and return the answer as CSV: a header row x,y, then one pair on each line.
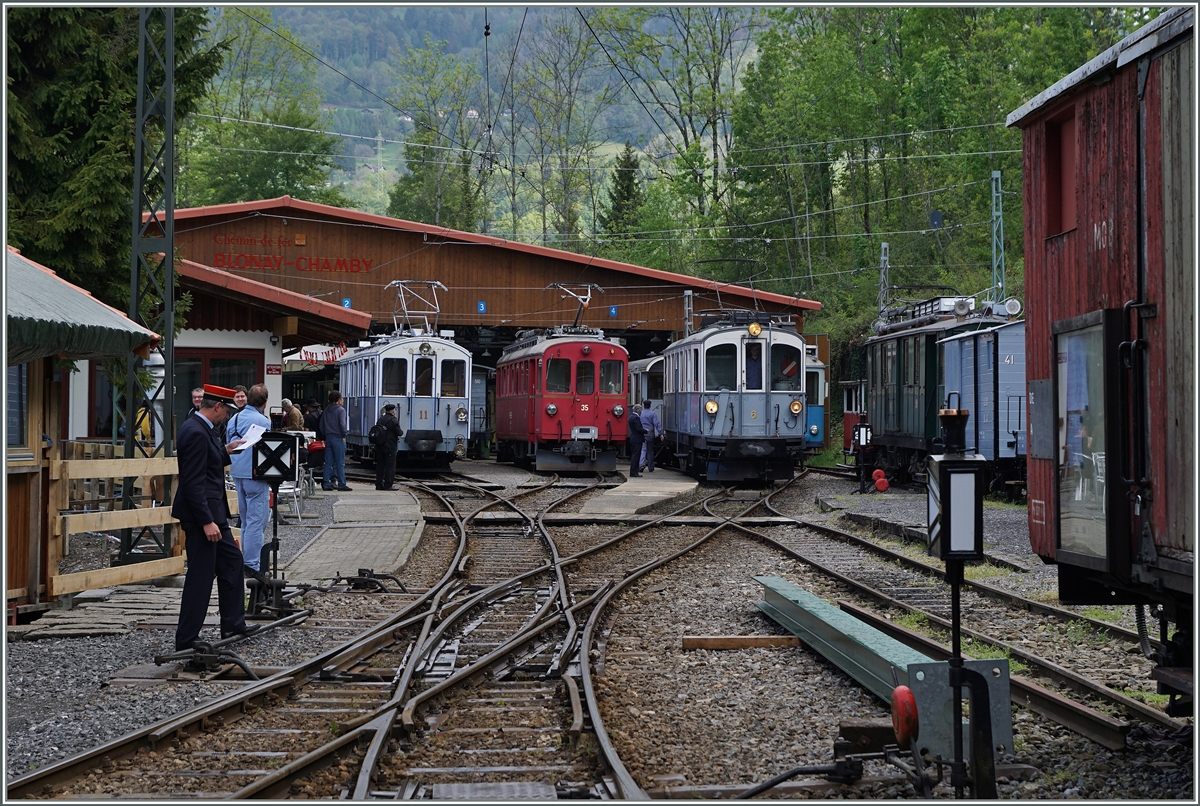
x,y
385,451
637,438
203,513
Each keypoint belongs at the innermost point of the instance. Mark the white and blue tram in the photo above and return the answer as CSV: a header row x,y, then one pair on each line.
x,y
816,393
646,382
733,397
427,376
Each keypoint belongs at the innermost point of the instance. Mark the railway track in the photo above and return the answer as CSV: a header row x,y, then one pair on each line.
x,y
478,687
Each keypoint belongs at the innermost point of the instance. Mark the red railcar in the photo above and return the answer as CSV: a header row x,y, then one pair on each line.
x,y
1110,292
560,399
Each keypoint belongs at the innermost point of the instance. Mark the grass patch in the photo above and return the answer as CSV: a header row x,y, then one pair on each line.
x,y
983,650
1104,613
1148,697
917,622
1080,632
1000,501
985,571
830,457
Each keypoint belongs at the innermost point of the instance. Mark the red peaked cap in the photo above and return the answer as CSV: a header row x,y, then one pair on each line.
x,y
220,394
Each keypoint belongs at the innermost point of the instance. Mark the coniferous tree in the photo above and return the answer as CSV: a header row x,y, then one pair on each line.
x,y
625,197
72,98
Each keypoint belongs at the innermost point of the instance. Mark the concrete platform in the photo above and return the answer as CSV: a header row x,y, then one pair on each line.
x,y
371,529
641,493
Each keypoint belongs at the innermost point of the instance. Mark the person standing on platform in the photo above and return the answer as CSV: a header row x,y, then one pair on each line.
x,y
653,427
312,415
637,439
335,424
254,497
293,420
203,514
197,396
385,449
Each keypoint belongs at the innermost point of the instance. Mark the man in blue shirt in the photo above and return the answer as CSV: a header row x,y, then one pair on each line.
x,y
254,497
653,427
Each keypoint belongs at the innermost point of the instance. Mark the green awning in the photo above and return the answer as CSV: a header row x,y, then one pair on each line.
x,y
47,316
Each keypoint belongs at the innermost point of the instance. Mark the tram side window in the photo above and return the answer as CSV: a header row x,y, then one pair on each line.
x,y
812,392
424,372
696,370
720,367
454,378
654,385
585,378
395,376
786,362
612,377
558,375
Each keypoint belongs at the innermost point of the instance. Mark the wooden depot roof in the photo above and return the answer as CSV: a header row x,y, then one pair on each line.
x,y
747,295
319,322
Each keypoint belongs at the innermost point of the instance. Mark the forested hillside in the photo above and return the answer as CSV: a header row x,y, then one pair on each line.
x,y
780,147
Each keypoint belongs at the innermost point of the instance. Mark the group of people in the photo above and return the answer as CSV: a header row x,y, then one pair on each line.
x,y
207,442
645,429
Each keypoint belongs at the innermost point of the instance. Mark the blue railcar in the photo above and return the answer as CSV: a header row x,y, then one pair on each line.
x,y
816,394
987,368
904,386
733,397
426,376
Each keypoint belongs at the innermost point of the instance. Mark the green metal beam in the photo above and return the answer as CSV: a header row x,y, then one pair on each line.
x,y
865,653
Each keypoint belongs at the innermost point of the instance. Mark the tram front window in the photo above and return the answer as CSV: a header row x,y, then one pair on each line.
x,y
585,378
395,376
558,375
720,367
454,378
424,372
612,377
786,362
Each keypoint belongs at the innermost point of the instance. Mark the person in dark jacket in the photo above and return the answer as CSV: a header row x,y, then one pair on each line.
x,y
335,424
203,513
637,438
312,415
385,451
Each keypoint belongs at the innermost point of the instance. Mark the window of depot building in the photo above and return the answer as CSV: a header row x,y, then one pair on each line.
x,y
423,370
195,367
786,368
612,377
585,378
1059,173
558,375
17,423
454,378
395,376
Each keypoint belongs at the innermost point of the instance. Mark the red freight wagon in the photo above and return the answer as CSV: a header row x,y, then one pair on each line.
x,y
1110,288
560,399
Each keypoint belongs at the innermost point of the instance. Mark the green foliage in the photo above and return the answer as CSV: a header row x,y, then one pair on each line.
x,y
72,99
256,139
437,90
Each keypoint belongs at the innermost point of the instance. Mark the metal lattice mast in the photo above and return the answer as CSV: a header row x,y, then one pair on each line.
x,y
885,298
998,290
152,271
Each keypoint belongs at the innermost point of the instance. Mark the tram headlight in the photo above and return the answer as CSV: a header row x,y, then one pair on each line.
x,y
551,409
796,407
711,407
618,410
812,429
755,328
426,348
460,450
461,414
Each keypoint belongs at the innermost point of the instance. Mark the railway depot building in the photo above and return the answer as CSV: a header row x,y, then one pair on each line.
x,y
494,286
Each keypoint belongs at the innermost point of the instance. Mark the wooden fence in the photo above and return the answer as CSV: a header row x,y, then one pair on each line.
x,y
84,494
